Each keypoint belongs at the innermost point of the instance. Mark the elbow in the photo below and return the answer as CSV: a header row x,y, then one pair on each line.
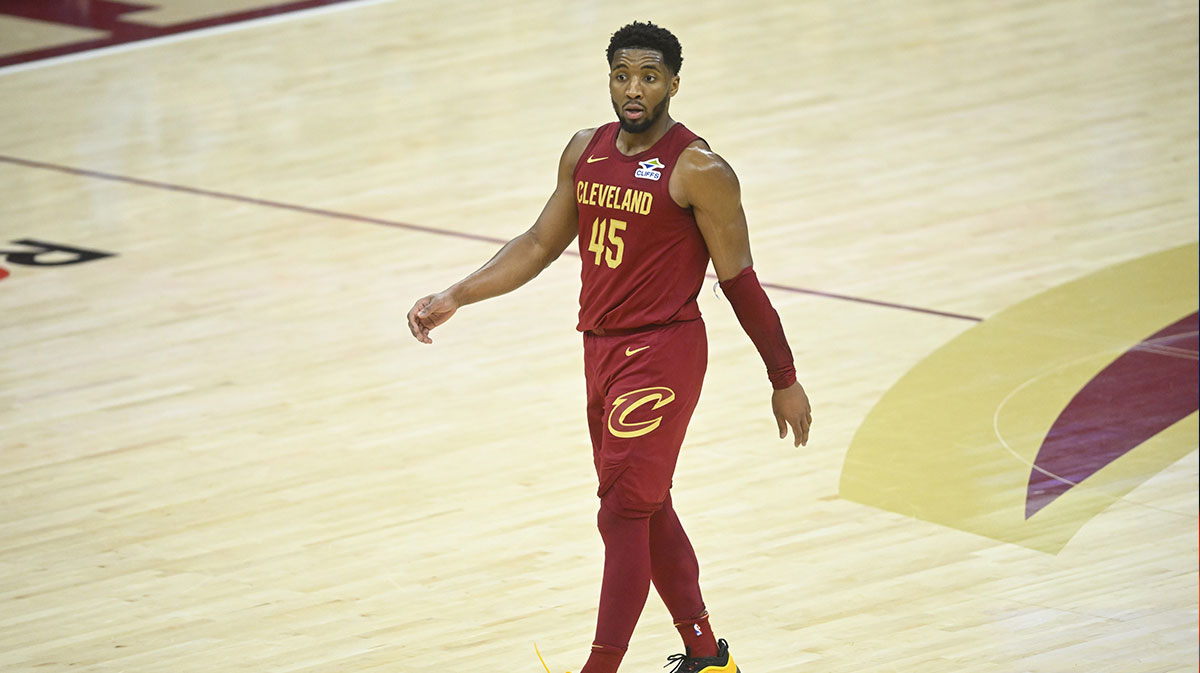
x,y
544,251
534,249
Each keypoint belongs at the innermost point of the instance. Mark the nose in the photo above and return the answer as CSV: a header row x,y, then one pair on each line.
x,y
633,89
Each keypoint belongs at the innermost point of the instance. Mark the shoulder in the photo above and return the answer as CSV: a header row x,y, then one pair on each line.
x,y
575,148
582,137
701,172
698,161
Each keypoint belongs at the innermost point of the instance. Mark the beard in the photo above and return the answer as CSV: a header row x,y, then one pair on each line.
x,y
643,124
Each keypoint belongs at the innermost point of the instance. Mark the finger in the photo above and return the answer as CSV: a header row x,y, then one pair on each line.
x,y
427,307
419,331
782,426
800,428
412,323
424,305
804,426
427,324
424,326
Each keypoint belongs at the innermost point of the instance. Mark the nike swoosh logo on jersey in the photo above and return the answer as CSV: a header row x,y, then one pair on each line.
x,y
592,159
633,351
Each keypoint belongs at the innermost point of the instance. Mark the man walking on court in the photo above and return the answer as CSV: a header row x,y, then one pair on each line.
x,y
650,205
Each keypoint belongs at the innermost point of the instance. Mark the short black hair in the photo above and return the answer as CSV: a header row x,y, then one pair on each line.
x,y
639,35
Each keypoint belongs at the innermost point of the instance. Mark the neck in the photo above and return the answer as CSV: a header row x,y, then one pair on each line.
x,y
632,143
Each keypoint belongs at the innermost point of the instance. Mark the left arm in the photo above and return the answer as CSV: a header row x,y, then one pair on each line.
x,y
703,181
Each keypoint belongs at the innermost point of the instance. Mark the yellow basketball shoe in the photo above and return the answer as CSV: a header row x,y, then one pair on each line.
x,y
722,663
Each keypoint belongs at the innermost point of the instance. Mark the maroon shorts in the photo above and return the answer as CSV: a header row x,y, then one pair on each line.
x,y
641,391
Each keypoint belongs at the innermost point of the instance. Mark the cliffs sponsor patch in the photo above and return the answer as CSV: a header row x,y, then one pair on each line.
x,y
649,170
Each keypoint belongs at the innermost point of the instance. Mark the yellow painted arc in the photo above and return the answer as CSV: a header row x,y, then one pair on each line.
x,y
954,440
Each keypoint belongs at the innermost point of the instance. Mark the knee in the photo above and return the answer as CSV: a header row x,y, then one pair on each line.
x,y
614,517
629,503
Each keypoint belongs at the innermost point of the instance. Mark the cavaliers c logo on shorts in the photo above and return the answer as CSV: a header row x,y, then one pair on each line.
x,y
628,404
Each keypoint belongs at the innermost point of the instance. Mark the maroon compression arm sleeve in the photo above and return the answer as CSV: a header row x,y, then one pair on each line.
x,y
761,322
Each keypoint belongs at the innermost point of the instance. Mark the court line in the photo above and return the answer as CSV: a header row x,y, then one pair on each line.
x,y
226,196
177,33
322,212
872,302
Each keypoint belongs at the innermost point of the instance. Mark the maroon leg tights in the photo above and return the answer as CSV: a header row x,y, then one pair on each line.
x,y
637,549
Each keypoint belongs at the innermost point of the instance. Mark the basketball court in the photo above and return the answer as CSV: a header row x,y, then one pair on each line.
x,y
221,449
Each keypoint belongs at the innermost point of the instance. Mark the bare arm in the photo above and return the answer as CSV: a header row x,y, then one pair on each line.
x,y
520,260
706,183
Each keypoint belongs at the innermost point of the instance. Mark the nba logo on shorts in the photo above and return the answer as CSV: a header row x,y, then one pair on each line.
x,y
698,631
649,170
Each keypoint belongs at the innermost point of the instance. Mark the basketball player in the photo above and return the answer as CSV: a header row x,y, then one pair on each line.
x,y
650,205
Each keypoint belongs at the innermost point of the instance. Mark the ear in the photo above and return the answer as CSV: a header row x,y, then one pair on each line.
x,y
674,86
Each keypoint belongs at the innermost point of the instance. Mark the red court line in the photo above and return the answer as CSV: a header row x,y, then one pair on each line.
x,y
873,302
246,199
226,196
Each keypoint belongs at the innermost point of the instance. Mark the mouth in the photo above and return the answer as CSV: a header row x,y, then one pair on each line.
x,y
634,111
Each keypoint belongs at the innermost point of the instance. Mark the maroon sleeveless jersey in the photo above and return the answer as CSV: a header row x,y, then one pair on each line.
x,y
643,256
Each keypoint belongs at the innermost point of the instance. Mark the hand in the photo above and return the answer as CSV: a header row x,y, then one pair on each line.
x,y
429,312
791,408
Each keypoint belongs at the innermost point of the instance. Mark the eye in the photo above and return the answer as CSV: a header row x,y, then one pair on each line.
x,y
650,78
620,77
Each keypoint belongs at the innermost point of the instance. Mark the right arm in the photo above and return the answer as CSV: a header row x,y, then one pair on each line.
x,y
520,260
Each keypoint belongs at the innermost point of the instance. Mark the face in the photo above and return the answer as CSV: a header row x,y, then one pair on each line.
x,y
640,85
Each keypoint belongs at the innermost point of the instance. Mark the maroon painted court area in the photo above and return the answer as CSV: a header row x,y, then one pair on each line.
x,y
1143,392
110,17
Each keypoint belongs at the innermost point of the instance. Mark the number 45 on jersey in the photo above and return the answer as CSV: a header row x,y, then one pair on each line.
x,y
612,256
